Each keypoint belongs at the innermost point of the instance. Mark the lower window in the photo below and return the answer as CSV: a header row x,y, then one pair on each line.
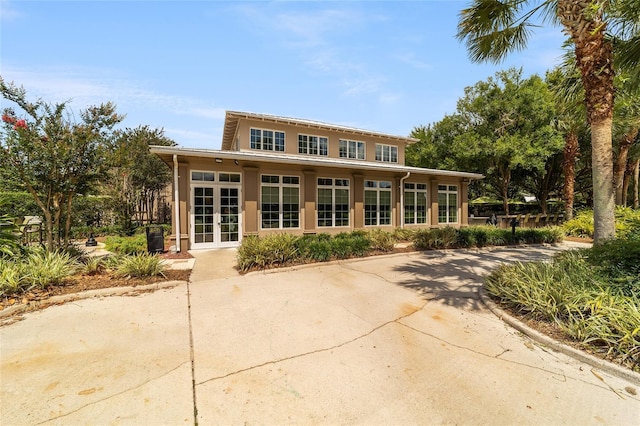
x,y
447,204
377,202
415,203
280,202
333,202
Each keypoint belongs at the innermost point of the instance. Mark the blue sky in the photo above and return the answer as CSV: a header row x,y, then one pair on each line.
x,y
178,65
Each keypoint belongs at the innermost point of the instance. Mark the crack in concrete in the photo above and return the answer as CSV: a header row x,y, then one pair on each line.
x,y
114,395
301,355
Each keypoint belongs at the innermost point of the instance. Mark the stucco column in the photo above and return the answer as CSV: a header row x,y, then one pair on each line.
x,y
185,204
464,204
309,216
433,196
251,193
358,201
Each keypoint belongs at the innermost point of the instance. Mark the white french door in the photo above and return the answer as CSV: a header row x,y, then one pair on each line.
x,y
215,215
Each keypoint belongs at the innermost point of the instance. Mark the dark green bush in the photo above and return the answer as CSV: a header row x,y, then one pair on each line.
x,y
127,245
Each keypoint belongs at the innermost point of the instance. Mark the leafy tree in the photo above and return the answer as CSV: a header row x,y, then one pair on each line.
x,y
493,28
508,127
54,156
138,176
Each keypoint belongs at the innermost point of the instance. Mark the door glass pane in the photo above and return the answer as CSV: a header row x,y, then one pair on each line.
x,y
203,207
229,214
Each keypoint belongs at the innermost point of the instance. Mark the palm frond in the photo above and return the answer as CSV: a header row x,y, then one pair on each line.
x,y
492,28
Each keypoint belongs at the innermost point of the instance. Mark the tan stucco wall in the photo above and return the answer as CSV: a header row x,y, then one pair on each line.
x,y
251,172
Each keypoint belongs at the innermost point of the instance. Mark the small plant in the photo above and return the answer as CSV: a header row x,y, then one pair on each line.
x,y
49,267
140,265
381,240
9,237
13,277
94,265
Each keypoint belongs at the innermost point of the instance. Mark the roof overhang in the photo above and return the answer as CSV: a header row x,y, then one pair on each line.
x,y
233,118
167,153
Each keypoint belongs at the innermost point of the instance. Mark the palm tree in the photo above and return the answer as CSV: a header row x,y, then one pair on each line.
x,y
493,28
564,83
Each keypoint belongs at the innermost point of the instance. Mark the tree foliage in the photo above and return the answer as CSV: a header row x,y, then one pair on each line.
x,y
137,176
52,155
504,128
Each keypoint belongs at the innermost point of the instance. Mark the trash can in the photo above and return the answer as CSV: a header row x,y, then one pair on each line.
x,y
155,239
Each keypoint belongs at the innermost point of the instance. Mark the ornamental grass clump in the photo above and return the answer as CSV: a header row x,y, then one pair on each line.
x,y
13,277
572,293
381,240
140,265
46,268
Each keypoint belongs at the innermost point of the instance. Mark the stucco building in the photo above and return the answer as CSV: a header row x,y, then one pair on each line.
x,y
278,174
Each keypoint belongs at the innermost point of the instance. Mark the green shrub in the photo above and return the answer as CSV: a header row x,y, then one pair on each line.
x,y
404,234
140,265
127,245
619,262
94,265
571,292
13,277
9,237
627,223
345,245
276,249
381,240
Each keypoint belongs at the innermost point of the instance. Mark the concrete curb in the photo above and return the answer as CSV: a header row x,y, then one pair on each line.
x,y
609,367
103,292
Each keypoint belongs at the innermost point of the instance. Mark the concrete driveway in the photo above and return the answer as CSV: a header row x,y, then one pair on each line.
x,y
385,340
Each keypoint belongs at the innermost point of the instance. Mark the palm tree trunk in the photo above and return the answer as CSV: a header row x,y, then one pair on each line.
x,y
602,169
621,163
594,59
636,189
570,154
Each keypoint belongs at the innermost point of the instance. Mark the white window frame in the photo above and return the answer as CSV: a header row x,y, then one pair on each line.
x,y
378,188
280,185
412,187
333,187
352,149
386,153
260,145
306,143
448,190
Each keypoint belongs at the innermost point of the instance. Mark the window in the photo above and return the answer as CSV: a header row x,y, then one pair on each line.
x,y
333,202
386,153
447,204
229,177
203,176
351,149
415,203
280,202
313,145
377,202
267,140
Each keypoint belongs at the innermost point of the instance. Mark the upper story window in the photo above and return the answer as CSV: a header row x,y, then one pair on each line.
x,y
198,176
313,145
351,149
386,153
267,140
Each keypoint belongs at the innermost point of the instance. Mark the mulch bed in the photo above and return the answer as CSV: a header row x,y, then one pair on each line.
x,y
80,283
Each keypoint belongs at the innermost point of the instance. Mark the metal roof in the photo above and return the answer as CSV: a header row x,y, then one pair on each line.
x,y
233,117
304,160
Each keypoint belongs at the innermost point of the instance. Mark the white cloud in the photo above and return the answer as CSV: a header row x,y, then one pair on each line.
x,y
84,87
8,12
410,58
